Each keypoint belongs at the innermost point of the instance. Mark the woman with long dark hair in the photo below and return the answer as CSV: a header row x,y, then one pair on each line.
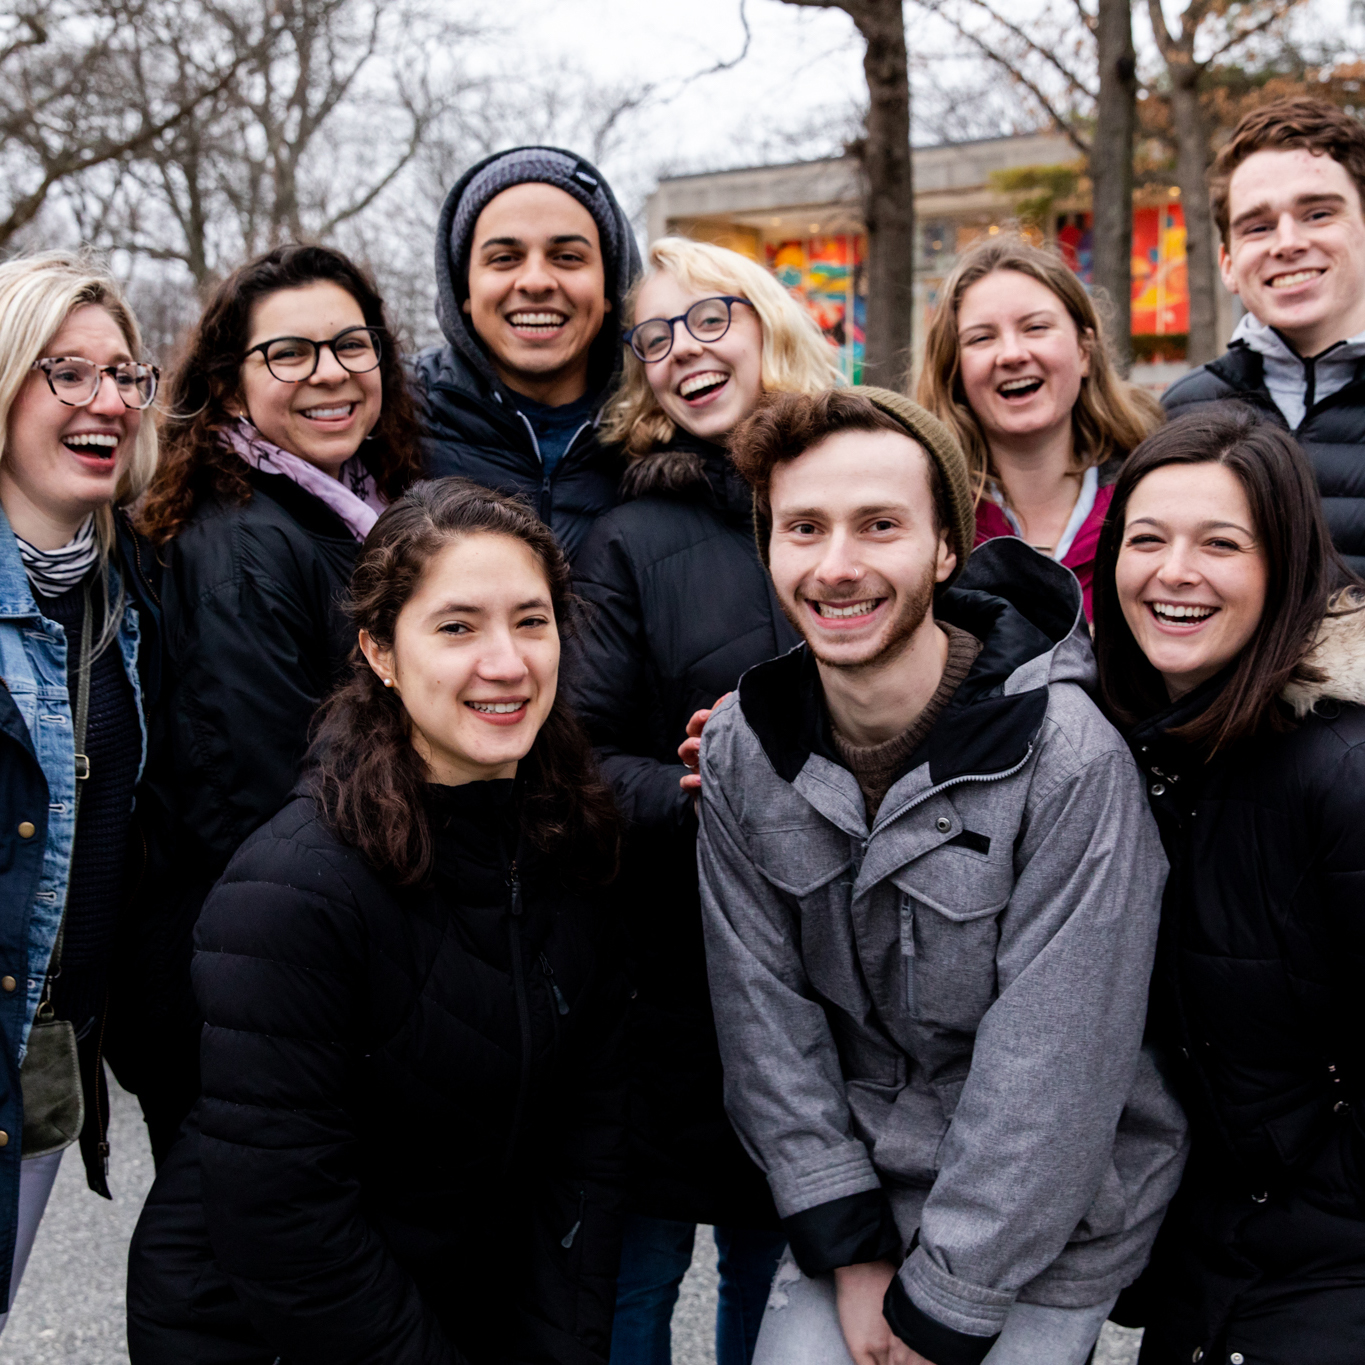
x,y
1231,649
288,429
409,1146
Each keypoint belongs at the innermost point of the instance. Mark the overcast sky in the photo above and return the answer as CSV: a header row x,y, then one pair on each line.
x,y
796,93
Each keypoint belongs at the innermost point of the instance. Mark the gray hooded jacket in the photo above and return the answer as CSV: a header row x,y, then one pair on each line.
x,y
932,1029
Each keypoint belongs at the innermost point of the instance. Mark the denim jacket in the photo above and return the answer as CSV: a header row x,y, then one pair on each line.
x,y
33,665
37,819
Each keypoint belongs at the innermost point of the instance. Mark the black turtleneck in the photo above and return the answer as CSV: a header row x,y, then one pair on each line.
x,y
474,830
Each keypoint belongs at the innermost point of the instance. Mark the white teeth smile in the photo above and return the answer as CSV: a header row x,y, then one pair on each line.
x,y
496,708
90,438
536,319
1298,277
327,414
853,608
695,383
1021,385
1169,611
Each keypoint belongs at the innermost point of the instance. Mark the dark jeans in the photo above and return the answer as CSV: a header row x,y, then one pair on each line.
x,y
654,1258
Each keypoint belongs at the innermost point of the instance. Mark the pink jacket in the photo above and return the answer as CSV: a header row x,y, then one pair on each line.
x,y
1080,558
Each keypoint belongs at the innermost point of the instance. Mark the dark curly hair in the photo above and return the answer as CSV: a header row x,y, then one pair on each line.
x,y
365,774
195,465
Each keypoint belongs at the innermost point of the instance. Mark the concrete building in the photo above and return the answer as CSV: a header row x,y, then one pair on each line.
x,y
805,222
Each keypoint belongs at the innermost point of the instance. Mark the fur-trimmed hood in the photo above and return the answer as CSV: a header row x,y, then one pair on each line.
x,y
669,470
1339,652
690,469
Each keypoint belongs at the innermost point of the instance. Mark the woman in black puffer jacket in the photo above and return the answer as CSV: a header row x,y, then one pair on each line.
x,y
679,607
409,1148
1240,678
278,452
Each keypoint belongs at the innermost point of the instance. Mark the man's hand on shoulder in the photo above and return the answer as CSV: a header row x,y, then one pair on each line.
x,y
690,749
859,1291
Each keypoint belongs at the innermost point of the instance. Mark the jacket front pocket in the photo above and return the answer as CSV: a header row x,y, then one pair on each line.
x,y
948,965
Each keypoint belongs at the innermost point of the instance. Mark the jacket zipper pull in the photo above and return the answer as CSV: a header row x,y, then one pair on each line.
x,y
561,1004
514,881
567,1240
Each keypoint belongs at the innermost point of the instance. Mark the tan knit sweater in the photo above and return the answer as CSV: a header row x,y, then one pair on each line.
x,y
878,767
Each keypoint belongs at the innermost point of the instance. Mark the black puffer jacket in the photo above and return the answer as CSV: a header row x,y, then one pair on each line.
x,y
473,429
1332,432
411,1137
679,607
1256,996
255,638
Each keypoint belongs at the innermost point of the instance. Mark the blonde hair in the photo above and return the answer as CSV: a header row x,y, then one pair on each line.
x,y
37,295
796,357
1110,416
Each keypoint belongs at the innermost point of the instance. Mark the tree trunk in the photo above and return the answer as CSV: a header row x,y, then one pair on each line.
x,y
890,199
1191,174
1111,171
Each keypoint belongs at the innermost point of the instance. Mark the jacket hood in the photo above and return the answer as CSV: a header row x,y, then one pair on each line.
x,y
577,177
690,468
1339,653
1027,612
1265,340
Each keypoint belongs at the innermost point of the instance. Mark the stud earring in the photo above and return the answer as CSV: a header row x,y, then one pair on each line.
x,y
388,682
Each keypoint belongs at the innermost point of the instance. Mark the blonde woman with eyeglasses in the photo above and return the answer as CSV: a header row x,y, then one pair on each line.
x,y
79,652
680,608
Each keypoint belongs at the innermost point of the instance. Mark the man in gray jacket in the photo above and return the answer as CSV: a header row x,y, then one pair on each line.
x,y
931,888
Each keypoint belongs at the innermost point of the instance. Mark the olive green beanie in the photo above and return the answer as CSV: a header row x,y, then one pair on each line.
x,y
942,448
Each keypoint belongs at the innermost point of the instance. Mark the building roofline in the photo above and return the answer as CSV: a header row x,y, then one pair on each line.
x,y
836,160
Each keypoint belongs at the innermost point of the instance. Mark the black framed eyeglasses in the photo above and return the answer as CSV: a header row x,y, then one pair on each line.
x,y
75,381
707,320
293,359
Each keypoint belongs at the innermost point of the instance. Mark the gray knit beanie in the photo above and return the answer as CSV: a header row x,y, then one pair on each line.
x,y
540,165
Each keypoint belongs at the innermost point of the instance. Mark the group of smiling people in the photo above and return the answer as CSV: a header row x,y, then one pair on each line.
x,y
501,811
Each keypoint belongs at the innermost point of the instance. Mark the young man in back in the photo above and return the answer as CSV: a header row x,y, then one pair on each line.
x,y
931,888
534,258
1287,191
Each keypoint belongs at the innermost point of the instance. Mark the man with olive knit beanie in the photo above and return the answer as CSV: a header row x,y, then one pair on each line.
x,y
931,887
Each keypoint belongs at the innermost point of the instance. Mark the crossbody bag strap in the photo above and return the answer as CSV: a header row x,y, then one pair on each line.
x,y
82,718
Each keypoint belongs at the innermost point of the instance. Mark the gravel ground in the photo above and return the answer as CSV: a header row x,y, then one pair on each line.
x,y
69,1310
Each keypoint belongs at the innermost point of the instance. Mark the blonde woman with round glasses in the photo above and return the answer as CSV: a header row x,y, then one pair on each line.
x,y
680,608
79,652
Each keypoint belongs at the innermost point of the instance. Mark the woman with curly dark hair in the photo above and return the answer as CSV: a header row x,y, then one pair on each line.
x,y
410,1143
288,429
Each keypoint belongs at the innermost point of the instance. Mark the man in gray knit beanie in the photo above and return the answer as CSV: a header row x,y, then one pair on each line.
x,y
534,257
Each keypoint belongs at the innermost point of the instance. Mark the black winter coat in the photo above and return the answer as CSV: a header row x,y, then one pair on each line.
x,y
1256,997
255,638
679,606
474,430
410,1139
1332,432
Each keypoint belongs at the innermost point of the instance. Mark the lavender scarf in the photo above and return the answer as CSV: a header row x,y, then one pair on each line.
x,y
353,497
